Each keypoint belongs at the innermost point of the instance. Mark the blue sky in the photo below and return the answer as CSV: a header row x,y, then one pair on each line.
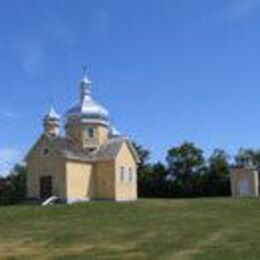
x,y
168,71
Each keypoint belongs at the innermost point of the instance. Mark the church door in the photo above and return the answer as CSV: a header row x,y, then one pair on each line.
x,y
45,187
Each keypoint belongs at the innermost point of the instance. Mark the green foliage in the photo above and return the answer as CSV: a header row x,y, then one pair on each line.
x,y
13,187
187,174
185,166
185,160
218,183
144,155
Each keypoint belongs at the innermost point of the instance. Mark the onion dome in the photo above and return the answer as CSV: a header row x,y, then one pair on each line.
x,y
51,123
87,110
52,115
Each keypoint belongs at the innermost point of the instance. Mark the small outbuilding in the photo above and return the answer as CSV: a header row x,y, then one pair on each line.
x,y
245,181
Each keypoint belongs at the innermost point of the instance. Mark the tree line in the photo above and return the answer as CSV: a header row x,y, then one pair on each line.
x,y
185,173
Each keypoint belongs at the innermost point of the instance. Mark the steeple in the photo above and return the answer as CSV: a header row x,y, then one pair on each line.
x,y
51,123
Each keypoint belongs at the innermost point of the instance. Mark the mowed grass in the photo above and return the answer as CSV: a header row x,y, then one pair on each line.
x,y
147,229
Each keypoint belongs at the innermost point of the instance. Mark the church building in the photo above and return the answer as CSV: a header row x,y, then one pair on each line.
x,y
90,161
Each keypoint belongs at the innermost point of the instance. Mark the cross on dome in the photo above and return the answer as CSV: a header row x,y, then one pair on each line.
x,y
85,85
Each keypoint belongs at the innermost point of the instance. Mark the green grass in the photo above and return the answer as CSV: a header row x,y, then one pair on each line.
x,y
147,229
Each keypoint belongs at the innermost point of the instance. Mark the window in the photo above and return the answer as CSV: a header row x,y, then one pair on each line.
x,y
90,132
45,151
122,174
130,175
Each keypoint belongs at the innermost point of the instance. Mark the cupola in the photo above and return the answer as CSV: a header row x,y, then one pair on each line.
x,y
87,122
51,123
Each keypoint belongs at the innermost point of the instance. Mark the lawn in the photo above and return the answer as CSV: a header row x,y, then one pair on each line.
x,y
147,229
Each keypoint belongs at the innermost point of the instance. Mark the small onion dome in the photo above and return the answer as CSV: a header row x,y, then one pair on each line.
x,y
52,115
87,110
51,123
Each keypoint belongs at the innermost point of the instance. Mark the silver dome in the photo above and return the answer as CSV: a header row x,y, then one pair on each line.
x,y
87,110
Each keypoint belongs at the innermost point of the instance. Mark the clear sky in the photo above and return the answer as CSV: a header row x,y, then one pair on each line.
x,y
167,70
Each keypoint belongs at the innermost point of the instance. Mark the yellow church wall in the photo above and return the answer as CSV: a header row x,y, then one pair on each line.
x,y
79,180
102,134
78,133
105,180
126,189
51,164
74,131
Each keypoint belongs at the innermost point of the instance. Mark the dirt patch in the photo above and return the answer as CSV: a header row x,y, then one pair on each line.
x,y
203,243
22,248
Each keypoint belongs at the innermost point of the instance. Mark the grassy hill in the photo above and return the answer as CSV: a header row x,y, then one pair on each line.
x,y
147,229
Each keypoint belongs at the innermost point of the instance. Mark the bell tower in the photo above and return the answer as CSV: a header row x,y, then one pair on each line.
x,y
51,123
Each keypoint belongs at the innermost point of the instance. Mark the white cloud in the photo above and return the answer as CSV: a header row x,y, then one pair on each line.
x,y
9,115
8,158
241,9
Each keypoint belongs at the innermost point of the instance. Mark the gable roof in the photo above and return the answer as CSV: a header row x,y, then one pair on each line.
x,y
111,148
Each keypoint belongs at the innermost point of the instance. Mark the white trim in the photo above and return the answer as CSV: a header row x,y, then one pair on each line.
x,y
76,200
124,200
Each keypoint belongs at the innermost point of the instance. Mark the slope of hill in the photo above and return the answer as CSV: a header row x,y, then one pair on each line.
x,y
147,229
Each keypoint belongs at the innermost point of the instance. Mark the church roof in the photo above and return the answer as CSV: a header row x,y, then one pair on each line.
x,y
110,148
107,151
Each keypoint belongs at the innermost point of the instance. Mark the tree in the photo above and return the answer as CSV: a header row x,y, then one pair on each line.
x,y
144,170
151,177
144,154
13,187
156,183
218,183
185,165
